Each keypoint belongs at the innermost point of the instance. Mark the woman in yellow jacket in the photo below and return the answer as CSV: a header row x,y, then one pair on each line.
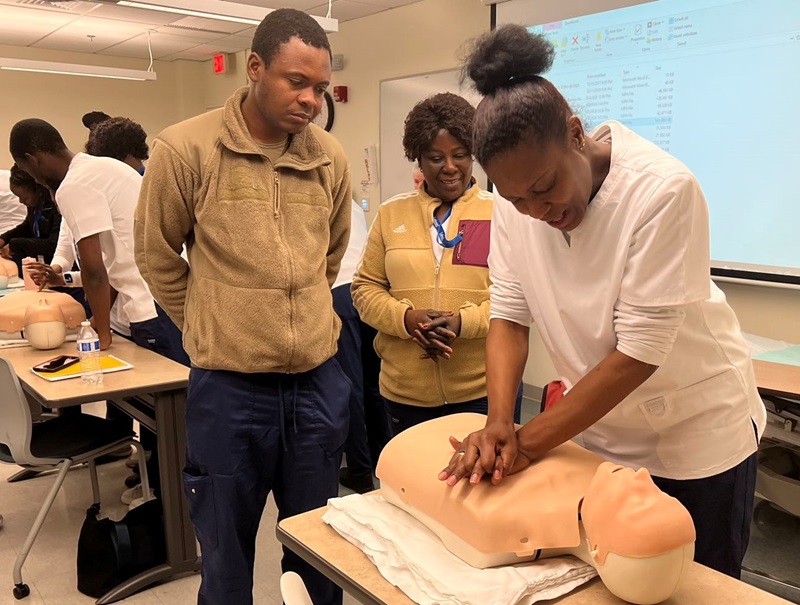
x,y
423,282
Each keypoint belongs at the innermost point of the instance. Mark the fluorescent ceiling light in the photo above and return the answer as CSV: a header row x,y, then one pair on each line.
x,y
74,69
219,10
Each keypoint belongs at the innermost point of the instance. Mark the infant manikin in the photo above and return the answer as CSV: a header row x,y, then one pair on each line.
x,y
44,317
640,540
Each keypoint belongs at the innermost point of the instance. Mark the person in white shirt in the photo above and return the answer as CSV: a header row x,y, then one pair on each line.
x,y
97,197
602,240
12,213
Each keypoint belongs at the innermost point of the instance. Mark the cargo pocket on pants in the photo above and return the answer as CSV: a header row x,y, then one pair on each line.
x,y
199,492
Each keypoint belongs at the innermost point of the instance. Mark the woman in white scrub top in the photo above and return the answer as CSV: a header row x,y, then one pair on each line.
x,y
601,239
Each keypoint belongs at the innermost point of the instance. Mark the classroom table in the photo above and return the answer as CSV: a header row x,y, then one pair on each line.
x,y
777,379
320,545
158,386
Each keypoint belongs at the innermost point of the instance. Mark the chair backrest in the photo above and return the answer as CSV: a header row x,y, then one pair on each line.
x,y
293,590
15,416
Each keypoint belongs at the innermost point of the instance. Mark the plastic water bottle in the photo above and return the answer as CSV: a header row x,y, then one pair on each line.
x,y
89,352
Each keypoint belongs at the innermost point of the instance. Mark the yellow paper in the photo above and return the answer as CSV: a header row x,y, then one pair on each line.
x,y
109,363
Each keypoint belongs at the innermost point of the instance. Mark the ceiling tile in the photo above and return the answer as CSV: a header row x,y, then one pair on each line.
x,y
346,10
163,45
28,25
298,4
189,55
89,34
71,7
138,15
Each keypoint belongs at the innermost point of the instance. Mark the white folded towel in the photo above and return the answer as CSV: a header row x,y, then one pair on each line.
x,y
411,557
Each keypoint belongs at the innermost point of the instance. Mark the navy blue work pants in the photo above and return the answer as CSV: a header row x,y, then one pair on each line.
x,y
369,425
247,435
721,508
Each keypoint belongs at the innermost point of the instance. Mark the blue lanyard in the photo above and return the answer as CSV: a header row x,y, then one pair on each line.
x,y
441,236
37,216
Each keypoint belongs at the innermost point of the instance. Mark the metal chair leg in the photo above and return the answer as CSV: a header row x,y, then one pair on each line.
x,y
141,458
95,482
63,469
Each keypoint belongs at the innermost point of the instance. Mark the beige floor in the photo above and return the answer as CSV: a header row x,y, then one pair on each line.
x,y
50,570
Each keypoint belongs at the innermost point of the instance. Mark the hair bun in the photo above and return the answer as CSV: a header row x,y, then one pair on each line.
x,y
507,56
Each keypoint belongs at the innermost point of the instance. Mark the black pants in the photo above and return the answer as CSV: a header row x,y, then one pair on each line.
x,y
721,508
369,425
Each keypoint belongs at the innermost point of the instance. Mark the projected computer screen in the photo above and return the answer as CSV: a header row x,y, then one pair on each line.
x,y
717,84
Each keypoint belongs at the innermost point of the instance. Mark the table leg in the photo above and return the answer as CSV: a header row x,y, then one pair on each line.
x,y
171,436
179,535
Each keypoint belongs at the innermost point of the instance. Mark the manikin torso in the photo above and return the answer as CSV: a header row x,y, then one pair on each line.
x,y
570,501
44,317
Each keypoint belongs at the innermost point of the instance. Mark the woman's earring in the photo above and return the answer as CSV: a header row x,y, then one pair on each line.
x,y
582,144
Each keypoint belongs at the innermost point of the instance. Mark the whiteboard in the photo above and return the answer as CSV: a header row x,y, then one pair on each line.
x,y
397,98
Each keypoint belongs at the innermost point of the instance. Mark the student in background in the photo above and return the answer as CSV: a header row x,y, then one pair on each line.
x,y
268,405
121,139
11,212
602,238
37,235
424,281
93,118
369,426
97,198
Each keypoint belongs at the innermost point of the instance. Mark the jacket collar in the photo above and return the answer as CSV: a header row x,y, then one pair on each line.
x,y
431,203
304,153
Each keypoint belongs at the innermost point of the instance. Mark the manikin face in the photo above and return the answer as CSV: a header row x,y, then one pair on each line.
x,y
551,184
26,195
289,91
624,512
447,167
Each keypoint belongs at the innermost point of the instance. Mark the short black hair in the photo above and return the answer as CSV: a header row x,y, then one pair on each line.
x,y
32,136
280,26
518,103
444,111
93,118
118,138
20,178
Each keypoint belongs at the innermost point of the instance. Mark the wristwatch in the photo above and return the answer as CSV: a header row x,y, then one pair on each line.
x,y
68,278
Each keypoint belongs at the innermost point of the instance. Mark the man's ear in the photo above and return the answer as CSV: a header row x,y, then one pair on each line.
x,y
254,65
32,159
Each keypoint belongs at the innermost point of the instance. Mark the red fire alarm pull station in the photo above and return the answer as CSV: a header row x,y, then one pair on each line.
x,y
340,94
219,64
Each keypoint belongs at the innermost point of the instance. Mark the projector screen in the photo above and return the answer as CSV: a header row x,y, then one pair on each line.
x,y
715,83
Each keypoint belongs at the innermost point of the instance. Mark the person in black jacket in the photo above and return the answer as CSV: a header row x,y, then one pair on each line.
x,y
37,235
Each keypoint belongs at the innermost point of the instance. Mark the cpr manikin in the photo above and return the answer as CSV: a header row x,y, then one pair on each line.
x,y
44,317
8,273
570,501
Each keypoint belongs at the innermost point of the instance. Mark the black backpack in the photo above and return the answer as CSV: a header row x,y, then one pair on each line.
x,y
110,552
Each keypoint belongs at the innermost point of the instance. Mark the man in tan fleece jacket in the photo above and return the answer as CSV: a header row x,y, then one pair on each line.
x,y
261,198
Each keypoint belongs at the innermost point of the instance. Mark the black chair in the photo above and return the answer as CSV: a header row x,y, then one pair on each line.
x,y
59,443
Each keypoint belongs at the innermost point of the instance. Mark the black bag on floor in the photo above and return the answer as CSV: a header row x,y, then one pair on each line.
x,y
110,552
